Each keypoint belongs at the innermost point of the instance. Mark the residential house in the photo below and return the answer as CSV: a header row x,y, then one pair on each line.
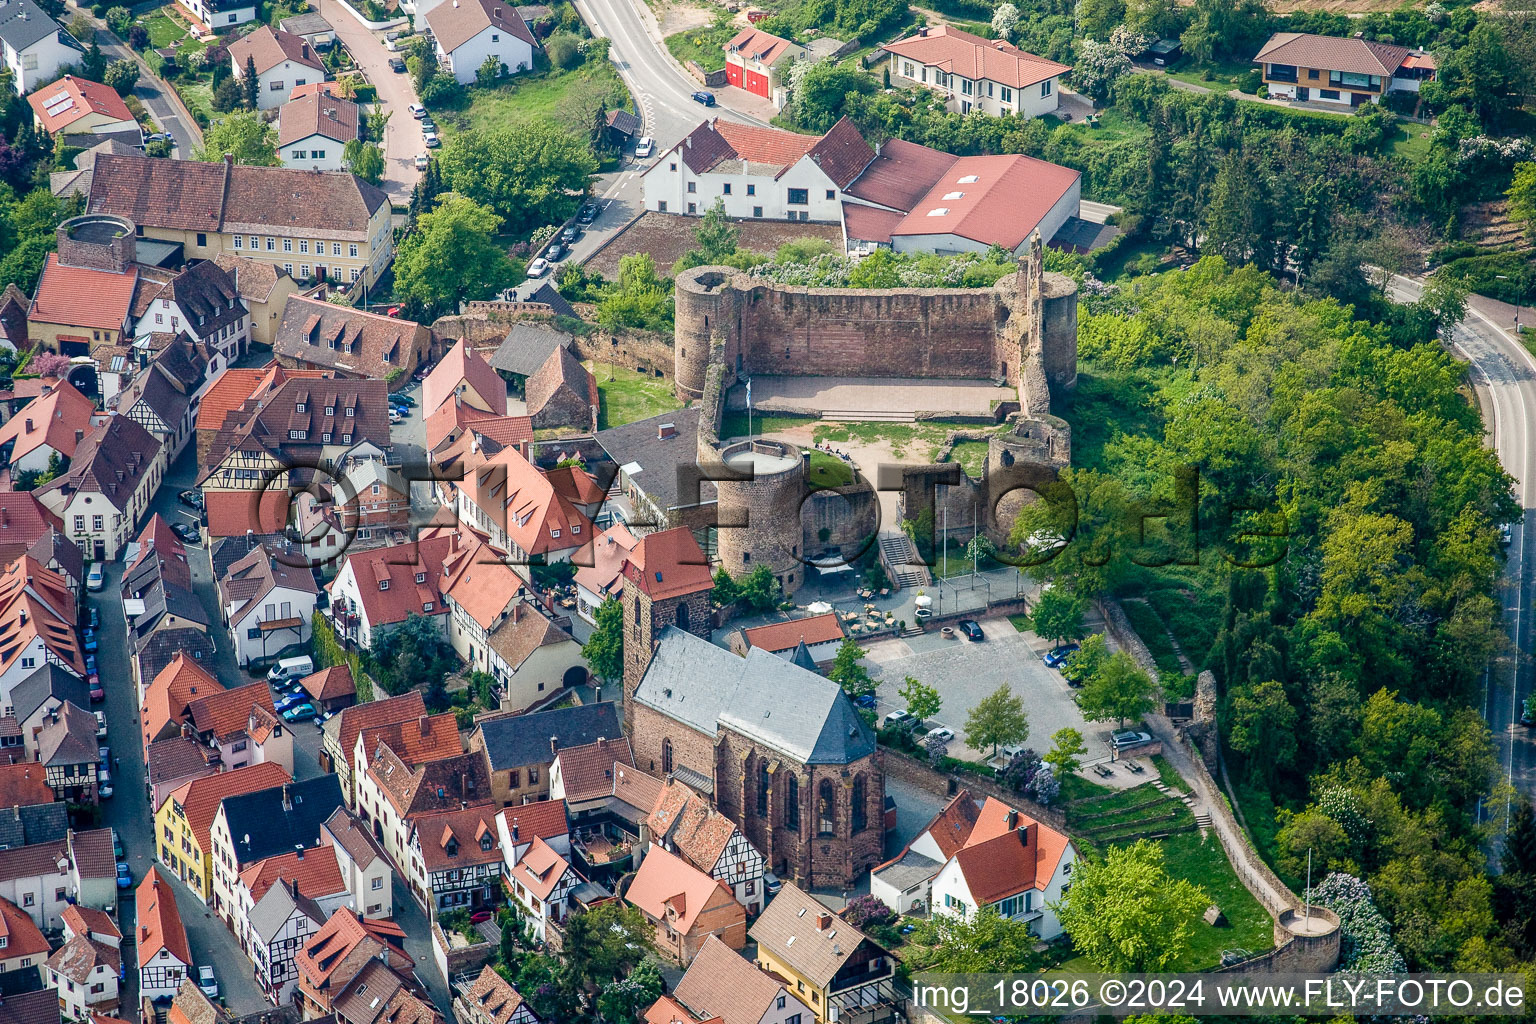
x,y
234,388
26,527
84,970
37,701
455,860
96,261
685,906
972,73
11,746
684,823
369,506
427,738
220,15
37,626
173,762
1011,862
470,33
517,827
459,435
163,397
240,727
583,776
463,375
904,882
163,708
334,956
491,999
281,922
541,881
89,111
379,589
313,131
821,635
331,689
23,785
67,752
213,208
563,393
314,30
601,572
522,511
378,995
1349,71
520,749
23,825
157,585
157,653
721,983
33,46
322,335
45,879
108,486
825,961
654,489
184,821
251,826
203,302
391,794
77,180
527,346
759,62
282,60
496,628
267,605
362,862
46,431
339,736
811,792
163,955
23,949
264,288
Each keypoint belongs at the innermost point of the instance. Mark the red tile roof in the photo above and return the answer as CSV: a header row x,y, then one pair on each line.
x,y
404,596
407,707
236,513
159,922
50,419
332,117
82,297
667,1010
168,694
785,636
842,154
69,99
200,798
970,56
1352,55
669,563
870,223
81,920
229,711
587,772
901,175
478,579
994,200
668,888
346,930
469,832
23,522
422,739
602,560
22,937
689,823
270,47
1007,853
540,869
772,146
516,496
542,819
228,392
752,44
316,872
463,365
330,683
36,602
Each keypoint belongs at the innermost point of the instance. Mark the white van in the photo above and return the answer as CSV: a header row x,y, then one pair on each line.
x,y
291,668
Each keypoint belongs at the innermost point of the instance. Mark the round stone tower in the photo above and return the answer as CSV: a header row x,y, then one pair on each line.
x,y
1314,937
760,517
98,241
706,307
1058,341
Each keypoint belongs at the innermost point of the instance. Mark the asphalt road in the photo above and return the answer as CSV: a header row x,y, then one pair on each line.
x,y
151,90
1505,376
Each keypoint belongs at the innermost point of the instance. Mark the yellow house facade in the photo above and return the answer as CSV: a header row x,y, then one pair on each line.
x,y
177,846
184,821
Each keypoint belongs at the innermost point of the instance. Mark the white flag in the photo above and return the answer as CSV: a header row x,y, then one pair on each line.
x,y
749,392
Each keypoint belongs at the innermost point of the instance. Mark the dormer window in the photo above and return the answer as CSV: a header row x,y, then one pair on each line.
x,y
426,606
453,847
349,410
575,527
346,438
553,532
383,584
298,407
327,438
421,577
485,841
330,410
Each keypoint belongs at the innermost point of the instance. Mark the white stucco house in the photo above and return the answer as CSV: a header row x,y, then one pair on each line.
x,y
268,605
1020,866
313,131
34,46
220,14
990,76
364,867
283,61
468,32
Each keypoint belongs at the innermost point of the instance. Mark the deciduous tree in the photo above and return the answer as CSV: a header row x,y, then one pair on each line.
x,y
604,649
1118,691
530,174
452,256
923,701
997,720
846,671
243,135
1126,913
1066,752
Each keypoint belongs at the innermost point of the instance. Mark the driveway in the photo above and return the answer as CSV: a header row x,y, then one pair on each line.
x,y
402,138
965,673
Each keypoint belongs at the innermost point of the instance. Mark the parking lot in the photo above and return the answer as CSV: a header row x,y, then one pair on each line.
x,y
965,673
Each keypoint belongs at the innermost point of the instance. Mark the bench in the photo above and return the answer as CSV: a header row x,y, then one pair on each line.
x,y
1135,766
1103,771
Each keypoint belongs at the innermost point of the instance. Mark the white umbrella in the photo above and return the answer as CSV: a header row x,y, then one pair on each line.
x,y
818,608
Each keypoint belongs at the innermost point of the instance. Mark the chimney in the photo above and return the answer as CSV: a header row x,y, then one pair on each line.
x,y
229,159
517,612
1013,818
823,921
423,725
514,830
463,786
79,435
287,799
666,431
554,744
1023,831
30,427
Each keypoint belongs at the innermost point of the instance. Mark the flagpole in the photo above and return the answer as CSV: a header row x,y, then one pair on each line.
x,y
749,406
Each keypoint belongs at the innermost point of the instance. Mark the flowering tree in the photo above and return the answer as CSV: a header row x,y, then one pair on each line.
x,y
868,911
1368,945
48,364
1097,68
1005,20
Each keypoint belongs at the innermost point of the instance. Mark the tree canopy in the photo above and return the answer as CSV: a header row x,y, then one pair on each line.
x,y
1126,913
452,256
529,174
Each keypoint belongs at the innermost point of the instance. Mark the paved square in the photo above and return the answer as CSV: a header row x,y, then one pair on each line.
x,y
965,673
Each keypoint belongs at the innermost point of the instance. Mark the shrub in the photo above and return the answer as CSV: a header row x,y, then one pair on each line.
x,y
867,912
564,49
118,19
138,37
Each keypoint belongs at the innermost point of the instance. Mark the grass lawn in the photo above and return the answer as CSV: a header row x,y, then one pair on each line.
x,y
918,440
971,455
163,29
704,45
544,95
829,470
1224,75
1249,926
734,424
1412,142
1075,787
197,95
1169,774
1021,623
630,396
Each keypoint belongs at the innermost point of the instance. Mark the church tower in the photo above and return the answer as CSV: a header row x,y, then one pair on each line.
x,y
666,583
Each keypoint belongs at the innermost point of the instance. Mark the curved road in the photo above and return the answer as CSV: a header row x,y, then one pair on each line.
x,y
1504,373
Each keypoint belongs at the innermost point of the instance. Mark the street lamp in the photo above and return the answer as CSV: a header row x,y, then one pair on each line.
x,y
1505,277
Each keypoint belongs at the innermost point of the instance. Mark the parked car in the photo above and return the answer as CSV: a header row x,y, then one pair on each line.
x,y
124,876
1528,713
188,532
570,234
207,982
91,642
942,732
900,718
644,147
394,416
417,111
481,915
117,845
401,398
299,712
588,213
431,141
555,253
97,693
1506,535
422,161
101,725
539,267
191,498
1130,738
1057,655
159,137
972,630
291,668
96,579
93,617
429,125
293,700
704,97
397,65
104,790
865,700
90,663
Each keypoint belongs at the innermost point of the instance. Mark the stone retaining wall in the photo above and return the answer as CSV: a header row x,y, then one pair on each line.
x,y
913,772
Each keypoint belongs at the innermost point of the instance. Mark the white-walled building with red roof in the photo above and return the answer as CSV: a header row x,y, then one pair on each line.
x,y
976,74
759,63
1010,861
78,106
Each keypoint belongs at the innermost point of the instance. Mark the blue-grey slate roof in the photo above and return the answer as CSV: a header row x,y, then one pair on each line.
x,y
23,23
520,740
261,827
762,696
49,680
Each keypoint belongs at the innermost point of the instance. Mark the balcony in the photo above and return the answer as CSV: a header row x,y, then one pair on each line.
x,y
1280,73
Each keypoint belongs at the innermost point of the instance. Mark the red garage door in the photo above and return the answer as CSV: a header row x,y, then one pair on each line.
x,y
733,74
755,83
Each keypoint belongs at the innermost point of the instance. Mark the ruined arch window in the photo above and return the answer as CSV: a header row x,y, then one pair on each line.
x,y
637,612
682,616
826,808
857,809
764,782
666,756
792,804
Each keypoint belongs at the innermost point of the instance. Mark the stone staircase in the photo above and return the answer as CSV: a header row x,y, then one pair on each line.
x,y
869,416
1202,817
902,558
